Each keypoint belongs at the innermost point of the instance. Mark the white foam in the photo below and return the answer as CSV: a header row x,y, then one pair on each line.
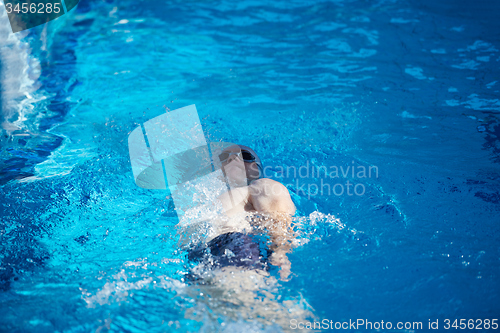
x,y
120,289
19,77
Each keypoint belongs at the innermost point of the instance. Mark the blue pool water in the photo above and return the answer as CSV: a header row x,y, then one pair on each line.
x,y
409,88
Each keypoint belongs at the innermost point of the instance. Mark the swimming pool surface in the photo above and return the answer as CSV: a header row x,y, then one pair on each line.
x,y
408,88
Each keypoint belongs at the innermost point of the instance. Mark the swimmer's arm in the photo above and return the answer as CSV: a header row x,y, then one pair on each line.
x,y
273,199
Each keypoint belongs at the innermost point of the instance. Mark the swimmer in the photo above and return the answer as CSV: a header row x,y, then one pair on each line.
x,y
252,194
237,274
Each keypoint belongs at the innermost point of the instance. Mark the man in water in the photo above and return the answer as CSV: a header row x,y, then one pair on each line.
x,y
252,194
237,274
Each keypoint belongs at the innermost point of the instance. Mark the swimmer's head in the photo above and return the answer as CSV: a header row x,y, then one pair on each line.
x,y
241,165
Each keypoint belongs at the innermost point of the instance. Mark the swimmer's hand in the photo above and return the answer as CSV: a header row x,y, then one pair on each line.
x,y
279,258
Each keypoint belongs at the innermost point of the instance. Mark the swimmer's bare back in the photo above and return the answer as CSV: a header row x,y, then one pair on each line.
x,y
271,199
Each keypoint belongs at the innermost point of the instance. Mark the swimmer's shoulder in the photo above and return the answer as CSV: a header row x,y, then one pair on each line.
x,y
267,186
270,196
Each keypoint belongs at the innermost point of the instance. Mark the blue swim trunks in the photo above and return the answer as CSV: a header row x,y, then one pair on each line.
x,y
233,249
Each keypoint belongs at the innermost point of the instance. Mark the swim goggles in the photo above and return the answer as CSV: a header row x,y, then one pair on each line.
x,y
243,154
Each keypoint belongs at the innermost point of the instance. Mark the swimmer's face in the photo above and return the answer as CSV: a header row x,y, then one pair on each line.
x,y
238,172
